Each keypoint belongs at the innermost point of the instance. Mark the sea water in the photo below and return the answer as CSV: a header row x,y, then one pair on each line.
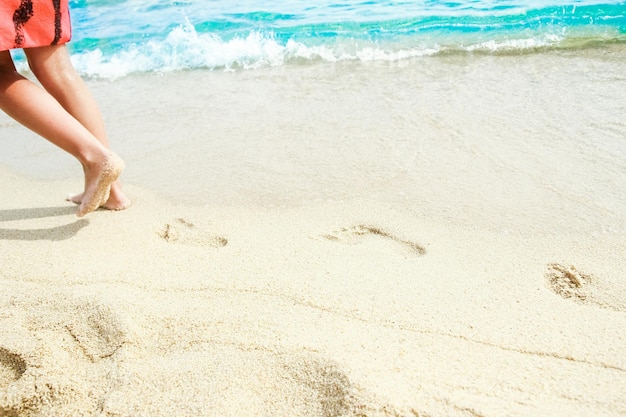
x,y
114,38
500,114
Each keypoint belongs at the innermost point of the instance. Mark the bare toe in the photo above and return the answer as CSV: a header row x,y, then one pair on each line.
x,y
74,198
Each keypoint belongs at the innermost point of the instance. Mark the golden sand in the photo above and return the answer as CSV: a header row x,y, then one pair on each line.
x,y
442,238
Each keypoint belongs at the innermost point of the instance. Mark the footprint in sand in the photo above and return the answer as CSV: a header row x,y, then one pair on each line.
x,y
187,233
326,384
571,283
328,391
58,367
96,329
355,234
568,282
12,367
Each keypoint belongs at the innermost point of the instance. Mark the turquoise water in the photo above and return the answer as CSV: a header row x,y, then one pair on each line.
x,y
504,114
113,38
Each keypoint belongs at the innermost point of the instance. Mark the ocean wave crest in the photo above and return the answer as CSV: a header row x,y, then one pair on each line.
x,y
185,47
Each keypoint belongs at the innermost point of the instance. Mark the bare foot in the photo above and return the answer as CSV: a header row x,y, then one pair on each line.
x,y
98,180
117,199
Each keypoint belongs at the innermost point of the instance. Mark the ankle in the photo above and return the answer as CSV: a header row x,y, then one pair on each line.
x,y
94,160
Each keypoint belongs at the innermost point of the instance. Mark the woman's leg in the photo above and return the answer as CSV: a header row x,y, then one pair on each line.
x,y
39,111
54,70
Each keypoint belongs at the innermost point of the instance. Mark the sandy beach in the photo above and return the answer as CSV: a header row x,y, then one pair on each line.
x,y
439,237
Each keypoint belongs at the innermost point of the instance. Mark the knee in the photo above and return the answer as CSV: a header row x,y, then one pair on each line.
x,y
50,67
8,73
7,67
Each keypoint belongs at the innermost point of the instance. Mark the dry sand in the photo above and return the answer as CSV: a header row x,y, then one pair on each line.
x,y
351,306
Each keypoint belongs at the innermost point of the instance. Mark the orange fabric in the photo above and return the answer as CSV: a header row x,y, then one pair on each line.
x,y
32,23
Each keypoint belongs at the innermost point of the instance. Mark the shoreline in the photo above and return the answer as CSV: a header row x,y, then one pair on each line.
x,y
511,142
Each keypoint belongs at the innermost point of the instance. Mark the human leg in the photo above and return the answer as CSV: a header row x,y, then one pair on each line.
x,y
39,111
54,70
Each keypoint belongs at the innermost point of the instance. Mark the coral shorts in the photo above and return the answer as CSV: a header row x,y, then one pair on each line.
x,y
32,23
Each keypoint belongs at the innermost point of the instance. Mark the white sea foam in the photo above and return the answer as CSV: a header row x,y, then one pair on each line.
x,y
184,48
